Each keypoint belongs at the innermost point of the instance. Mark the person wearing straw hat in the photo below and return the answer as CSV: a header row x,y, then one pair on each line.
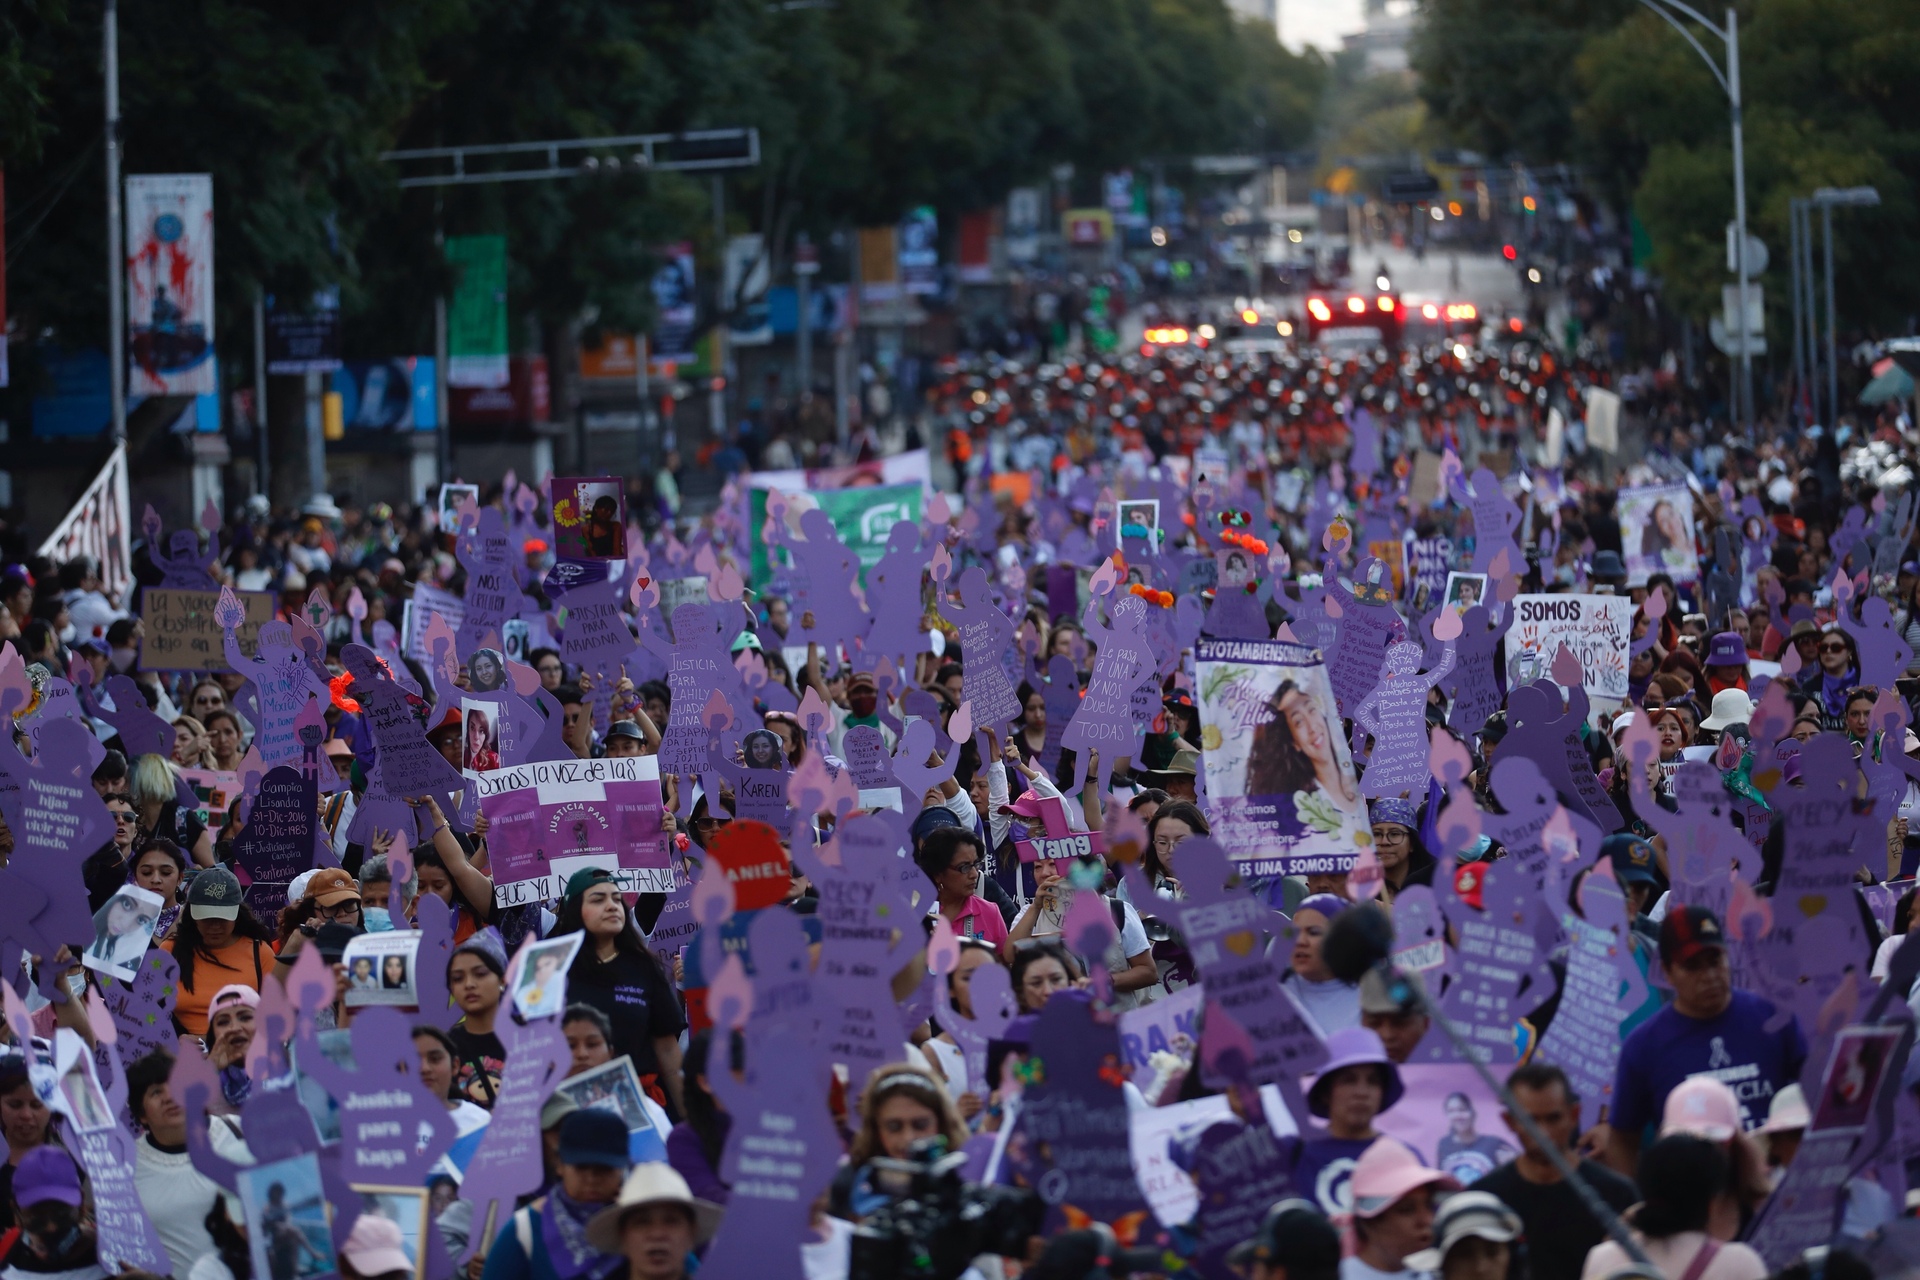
x,y
1474,1238
655,1224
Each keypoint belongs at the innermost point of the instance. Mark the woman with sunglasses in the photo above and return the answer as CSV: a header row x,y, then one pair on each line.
x,y
1835,674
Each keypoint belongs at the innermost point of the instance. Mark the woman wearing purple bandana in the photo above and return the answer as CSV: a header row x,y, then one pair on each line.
x,y
547,1240
1404,859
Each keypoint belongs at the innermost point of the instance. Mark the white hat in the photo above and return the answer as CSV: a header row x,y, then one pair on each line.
x,y
1788,1111
1466,1213
653,1182
1730,706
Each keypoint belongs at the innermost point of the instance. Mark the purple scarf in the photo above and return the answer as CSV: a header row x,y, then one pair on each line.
x,y
1833,692
563,1228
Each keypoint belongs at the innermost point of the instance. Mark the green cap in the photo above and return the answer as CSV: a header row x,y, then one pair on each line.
x,y
580,881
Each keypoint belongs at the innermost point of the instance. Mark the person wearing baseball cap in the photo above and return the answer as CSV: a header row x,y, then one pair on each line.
x,y
216,942
552,1239
375,1250
1473,1236
1294,1242
54,1238
1709,1028
1393,1208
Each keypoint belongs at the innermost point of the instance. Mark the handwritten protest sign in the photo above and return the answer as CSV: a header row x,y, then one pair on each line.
x,y
1598,630
182,633
550,819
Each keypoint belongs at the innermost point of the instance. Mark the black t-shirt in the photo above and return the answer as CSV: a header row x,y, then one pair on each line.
x,y
637,999
478,1062
1560,1229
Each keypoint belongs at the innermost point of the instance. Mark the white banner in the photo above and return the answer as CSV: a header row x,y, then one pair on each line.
x,y
1597,629
170,284
97,526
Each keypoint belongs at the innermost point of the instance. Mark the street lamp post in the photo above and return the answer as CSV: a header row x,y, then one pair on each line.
x,y
1678,14
1826,200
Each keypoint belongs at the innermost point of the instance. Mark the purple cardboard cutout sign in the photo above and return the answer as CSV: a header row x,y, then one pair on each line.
x,y
1546,730
182,564
492,596
1495,518
508,1162
142,1010
1884,651
867,932
893,596
1474,685
1104,721
384,1110
283,683
986,636
53,811
143,732
1500,973
868,758
1225,933
1603,985
1071,1141
826,578
278,842
1240,1170
698,667
1366,624
408,764
1395,713
124,1229
1526,828
782,1149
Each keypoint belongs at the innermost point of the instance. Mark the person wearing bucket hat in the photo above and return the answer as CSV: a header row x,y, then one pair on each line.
x,y
553,1238
1294,1242
655,1224
1473,1238
1608,570
1393,1208
1730,707
1357,1084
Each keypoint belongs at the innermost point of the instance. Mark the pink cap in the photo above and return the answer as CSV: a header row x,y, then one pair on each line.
x,y
1027,806
376,1247
1386,1171
231,994
1703,1107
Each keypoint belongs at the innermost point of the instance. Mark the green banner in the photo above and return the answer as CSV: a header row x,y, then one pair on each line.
x,y
863,517
477,320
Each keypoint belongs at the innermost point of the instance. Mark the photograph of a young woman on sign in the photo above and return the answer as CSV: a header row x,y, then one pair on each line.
x,y
1465,590
122,931
481,738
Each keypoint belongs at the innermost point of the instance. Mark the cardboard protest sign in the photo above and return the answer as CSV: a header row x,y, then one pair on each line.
x,y
122,931
182,630
986,635
589,518
1104,722
1598,630
93,1096
1395,713
492,595
1278,773
1602,986
382,968
1451,1119
1656,531
428,602
278,842
1240,1170
552,818
1164,1026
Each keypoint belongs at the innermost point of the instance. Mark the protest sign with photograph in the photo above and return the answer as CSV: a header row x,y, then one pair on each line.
x,y
479,736
85,1103
1597,629
550,819
1465,590
1278,772
1656,530
540,990
406,1208
380,968
452,498
614,1086
122,931
286,1209
589,518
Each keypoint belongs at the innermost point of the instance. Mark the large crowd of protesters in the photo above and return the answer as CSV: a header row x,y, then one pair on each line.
x,y
1707,1109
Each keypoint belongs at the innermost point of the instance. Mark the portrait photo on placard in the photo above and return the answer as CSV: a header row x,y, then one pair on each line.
x,y
479,736
589,519
122,931
1465,590
380,968
611,1086
406,1208
452,498
287,1226
1139,522
486,671
86,1101
540,988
